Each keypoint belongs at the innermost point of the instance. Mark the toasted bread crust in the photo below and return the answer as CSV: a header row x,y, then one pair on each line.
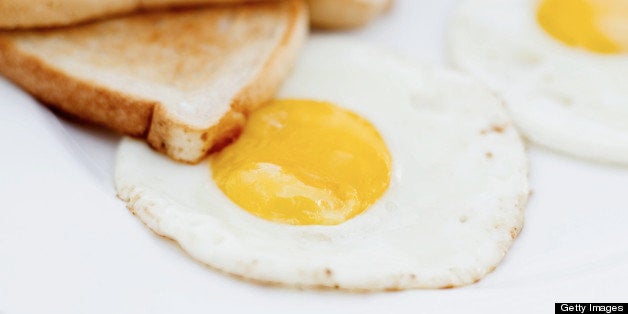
x,y
183,143
149,118
345,14
82,99
22,14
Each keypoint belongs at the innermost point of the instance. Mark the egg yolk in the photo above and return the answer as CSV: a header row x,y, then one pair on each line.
x,y
599,26
304,162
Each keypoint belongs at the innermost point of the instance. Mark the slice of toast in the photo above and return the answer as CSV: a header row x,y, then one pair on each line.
x,y
47,13
185,80
20,14
342,14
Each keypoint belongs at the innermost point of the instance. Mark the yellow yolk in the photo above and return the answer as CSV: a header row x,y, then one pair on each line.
x,y
596,25
304,163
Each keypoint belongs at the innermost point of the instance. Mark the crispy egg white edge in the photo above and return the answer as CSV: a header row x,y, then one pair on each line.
x,y
560,97
454,206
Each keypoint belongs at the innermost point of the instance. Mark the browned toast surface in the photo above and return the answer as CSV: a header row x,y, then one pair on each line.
x,y
343,14
183,79
47,13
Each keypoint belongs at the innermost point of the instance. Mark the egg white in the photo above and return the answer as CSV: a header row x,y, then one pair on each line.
x,y
564,98
453,208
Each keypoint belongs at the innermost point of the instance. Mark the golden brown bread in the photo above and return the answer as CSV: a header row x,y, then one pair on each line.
x,y
184,79
14,14
341,14
47,13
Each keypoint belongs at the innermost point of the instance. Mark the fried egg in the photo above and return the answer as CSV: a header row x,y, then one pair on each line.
x,y
560,65
367,173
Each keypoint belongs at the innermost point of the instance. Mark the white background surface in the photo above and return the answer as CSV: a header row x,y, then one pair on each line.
x,y
67,245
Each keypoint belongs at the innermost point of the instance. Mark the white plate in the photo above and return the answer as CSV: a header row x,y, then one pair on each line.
x,y
67,245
